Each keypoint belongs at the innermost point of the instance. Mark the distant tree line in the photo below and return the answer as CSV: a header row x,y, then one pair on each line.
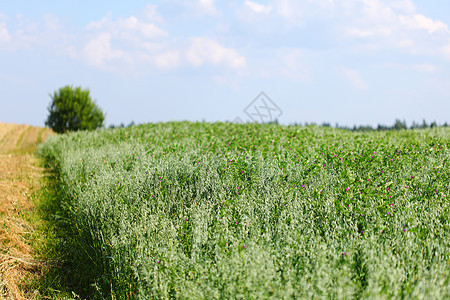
x,y
398,125
122,125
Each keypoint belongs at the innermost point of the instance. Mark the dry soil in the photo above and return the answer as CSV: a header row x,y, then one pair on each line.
x,y
20,177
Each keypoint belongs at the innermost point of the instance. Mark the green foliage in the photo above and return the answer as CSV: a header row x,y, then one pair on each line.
x,y
72,109
206,211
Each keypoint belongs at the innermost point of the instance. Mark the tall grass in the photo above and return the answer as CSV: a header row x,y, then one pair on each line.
x,y
194,210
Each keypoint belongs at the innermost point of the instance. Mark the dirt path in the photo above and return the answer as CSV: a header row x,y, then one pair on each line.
x,y
19,178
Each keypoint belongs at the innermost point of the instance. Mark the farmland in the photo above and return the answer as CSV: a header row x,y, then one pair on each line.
x,y
20,178
198,210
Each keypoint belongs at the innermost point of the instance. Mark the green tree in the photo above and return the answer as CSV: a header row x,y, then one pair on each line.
x,y
399,125
72,109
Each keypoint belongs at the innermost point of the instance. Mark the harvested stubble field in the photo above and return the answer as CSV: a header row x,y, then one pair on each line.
x,y
204,211
19,178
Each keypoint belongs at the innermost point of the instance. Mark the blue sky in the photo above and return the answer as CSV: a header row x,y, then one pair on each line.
x,y
337,61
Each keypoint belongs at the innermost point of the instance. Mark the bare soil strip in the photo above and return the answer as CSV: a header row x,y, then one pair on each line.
x,y
19,178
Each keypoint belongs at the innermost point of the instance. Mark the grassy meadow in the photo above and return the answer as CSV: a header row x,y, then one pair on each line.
x,y
204,211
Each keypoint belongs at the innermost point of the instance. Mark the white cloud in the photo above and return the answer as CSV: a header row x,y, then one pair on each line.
x,y
153,47
207,7
419,21
377,10
380,25
135,41
142,39
98,51
355,78
205,51
404,6
297,12
123,44
129,28
27,34
5,37
445,51
383,31
289,10
168,60
148,30
3,17
258,8
52,23
151,13
425,68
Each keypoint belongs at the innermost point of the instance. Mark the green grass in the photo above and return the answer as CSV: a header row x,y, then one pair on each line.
x,y
39,138
51,242
195,210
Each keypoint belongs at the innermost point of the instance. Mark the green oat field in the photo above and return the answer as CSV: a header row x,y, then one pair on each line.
x,y
254,211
